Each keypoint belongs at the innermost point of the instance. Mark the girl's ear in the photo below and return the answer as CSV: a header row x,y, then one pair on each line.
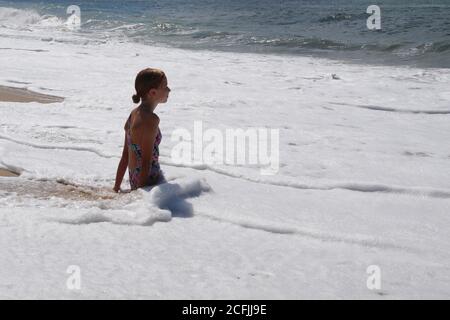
x,y
152,92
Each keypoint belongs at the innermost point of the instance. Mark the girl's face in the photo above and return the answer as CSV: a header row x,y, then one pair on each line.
x,y
162,93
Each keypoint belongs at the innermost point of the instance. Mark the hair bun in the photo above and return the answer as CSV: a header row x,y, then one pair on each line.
x,y
136,98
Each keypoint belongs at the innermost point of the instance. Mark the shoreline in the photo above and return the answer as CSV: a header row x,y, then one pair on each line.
x,y
22,95
370,60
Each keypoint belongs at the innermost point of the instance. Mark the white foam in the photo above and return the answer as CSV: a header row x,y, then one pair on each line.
x,y
147,206
12,17
18,17
370,185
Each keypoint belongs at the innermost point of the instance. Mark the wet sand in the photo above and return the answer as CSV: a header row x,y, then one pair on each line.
x,y
7,173
11,94
50,189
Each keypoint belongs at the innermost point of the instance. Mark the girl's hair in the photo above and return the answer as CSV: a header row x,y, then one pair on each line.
x,y
147,79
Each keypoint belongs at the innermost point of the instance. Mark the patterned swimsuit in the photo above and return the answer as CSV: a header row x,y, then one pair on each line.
x,y
155,170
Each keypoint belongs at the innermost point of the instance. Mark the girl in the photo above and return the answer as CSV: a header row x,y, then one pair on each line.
x,y
142,135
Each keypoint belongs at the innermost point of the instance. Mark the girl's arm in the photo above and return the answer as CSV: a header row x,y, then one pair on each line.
x,y
122,168
147,137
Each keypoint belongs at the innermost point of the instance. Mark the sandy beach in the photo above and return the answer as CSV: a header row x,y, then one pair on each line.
x,y
12,94
53,189
7,173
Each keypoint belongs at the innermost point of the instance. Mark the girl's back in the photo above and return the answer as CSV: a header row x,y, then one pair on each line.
x,y
143,146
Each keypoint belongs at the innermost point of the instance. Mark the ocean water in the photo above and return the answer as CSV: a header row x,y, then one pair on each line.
x,y
413,32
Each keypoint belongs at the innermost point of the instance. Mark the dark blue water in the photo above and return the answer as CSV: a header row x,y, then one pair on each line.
x,y
413,32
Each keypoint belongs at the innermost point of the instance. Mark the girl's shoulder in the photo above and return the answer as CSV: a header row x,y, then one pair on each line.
x,y
130,119
150,121
137,120
146,118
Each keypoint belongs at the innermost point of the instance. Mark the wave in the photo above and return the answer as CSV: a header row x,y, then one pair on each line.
x,y
342,16
438,47
20,18
212,35
302,42
11,16
277,32
172,29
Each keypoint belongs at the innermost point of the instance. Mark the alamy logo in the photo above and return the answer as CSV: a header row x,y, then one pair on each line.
x,y
374,21
74,280
74,21
252,146
374,280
